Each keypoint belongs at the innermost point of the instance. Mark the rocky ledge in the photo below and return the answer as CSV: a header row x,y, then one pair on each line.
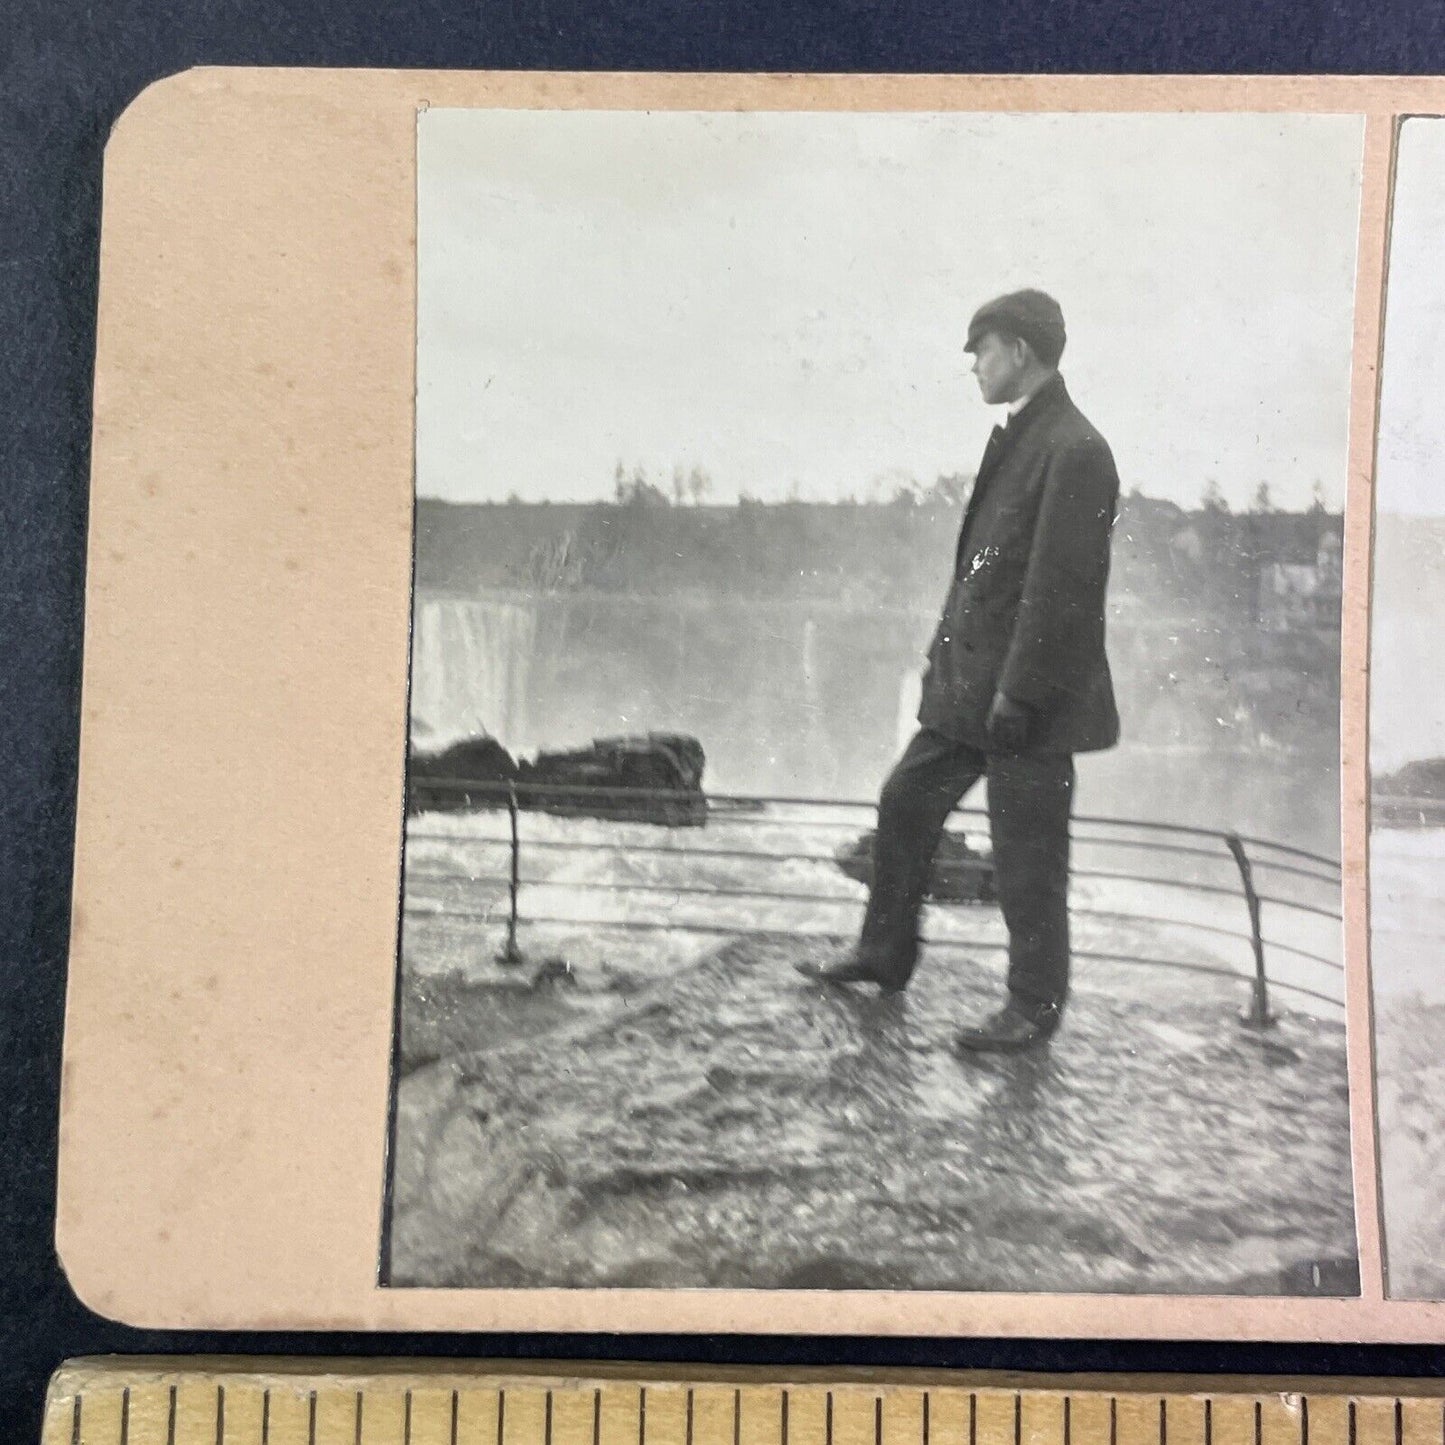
x,y
731,1125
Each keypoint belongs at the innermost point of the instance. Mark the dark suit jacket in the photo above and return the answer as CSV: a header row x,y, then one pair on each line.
x,y
1025,612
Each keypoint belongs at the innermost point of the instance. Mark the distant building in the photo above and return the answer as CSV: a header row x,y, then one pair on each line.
x,y
1187,542
1304,593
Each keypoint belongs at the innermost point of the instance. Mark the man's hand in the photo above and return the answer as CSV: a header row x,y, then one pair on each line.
x,y
1008,724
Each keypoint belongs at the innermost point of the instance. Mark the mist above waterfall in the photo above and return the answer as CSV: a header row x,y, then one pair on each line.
x,y
789,641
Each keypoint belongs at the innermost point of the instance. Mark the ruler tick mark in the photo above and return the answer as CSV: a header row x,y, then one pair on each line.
x,y
130,1426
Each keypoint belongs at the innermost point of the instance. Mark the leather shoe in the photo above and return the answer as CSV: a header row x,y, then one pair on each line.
x,y
858,967
1009,1030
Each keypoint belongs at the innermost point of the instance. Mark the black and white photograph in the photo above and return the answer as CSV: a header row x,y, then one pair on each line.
x,y
873,781
1407,729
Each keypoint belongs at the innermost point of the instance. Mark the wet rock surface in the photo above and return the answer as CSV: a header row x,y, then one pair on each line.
x,y
723,1122
1410,1062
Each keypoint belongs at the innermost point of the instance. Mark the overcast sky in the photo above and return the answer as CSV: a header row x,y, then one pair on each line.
x,y
1410,471
1408,720
782,299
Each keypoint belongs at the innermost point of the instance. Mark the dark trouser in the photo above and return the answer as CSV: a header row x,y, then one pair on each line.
x,y
1029,796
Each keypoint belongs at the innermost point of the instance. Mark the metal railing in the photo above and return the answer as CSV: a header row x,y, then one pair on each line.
x,y
1268,880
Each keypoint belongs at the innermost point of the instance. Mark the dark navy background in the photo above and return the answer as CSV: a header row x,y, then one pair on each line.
x,y
67,68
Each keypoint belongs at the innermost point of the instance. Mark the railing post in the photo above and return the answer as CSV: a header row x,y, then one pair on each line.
x,y
510,952
1258,1015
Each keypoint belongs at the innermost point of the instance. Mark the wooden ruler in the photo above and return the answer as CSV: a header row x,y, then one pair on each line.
x,y
238,1402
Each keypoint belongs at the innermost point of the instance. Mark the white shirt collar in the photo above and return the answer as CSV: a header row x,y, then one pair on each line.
x,y
1015,407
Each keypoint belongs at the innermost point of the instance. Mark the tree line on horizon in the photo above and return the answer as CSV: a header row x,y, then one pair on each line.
x,y
693,486
1168,559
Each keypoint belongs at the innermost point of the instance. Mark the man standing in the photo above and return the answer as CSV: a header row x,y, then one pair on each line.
x,y
1017,680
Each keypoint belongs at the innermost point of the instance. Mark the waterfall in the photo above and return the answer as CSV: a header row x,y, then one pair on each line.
x,y
470,668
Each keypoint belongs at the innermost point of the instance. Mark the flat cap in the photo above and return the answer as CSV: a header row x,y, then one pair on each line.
x,y
1032,316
